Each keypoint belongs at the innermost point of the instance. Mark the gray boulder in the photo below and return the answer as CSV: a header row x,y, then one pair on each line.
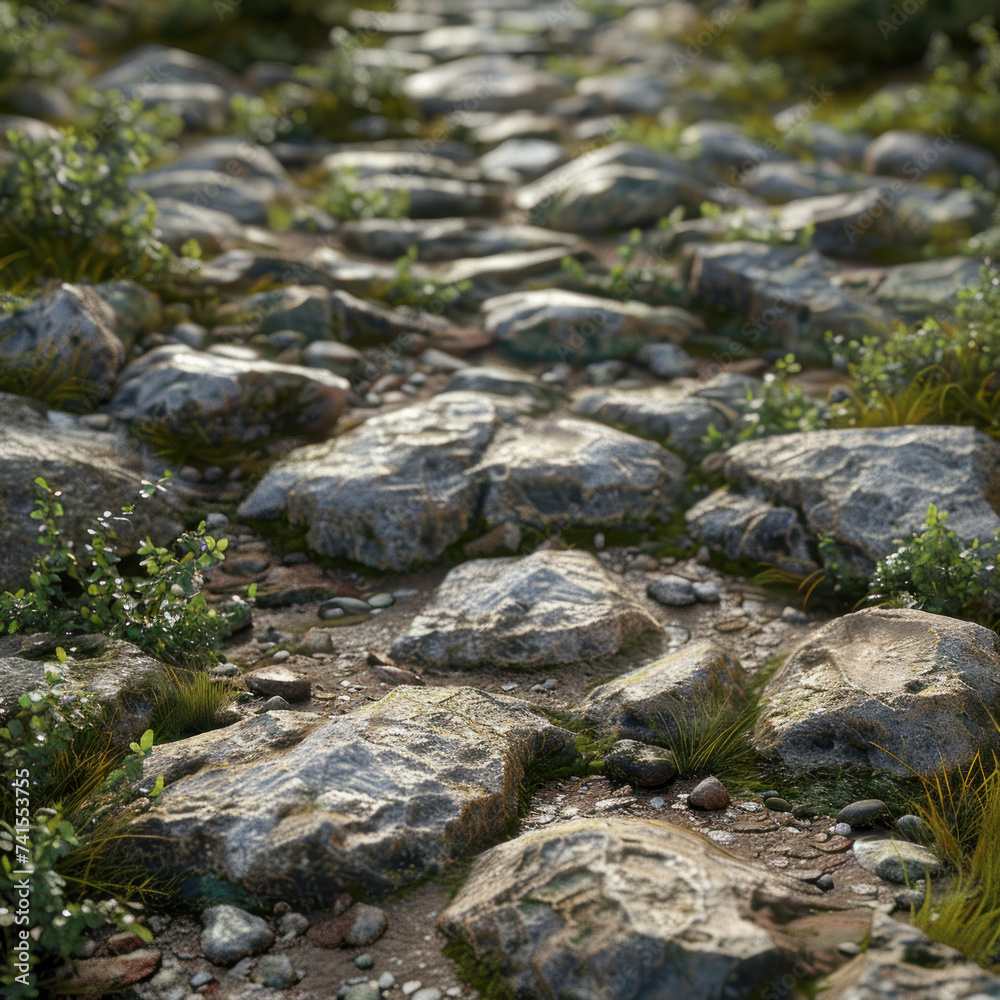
x,y
61,348
220,400
397,490
916,155
307,309
556,325
653,701
864,488
231,934
888,690
575,473
379,798
179,221
549,607
613,909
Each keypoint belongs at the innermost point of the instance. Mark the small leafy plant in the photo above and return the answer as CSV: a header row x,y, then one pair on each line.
x,y
938,572
343,199
67,209
163,612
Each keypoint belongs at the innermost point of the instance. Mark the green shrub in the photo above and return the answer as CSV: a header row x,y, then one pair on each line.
x,y
65,796
779,408
342,199
67,210
164,612
938,572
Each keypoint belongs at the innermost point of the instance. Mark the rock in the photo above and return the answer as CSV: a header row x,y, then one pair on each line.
x,y
575,473
706,591
786,296
268,681
781,181
386,981
509,382
777,804
912,827
607,908
274,704
750,528
901,960
865,813
348,605
293,925
231,934
725,148
179,221
119,673
362,991
679,414
652,701
245,199
897,861
275,972
549,607
528,158
219,400
930,286
666,360
61,348
556,325
864,488
365,962
428,993
446,239
639,764
614,187
675,591
307,309
361,925
436,197
710,794
889,690
136,310
108,975
490,82
917,155
398,489
378,798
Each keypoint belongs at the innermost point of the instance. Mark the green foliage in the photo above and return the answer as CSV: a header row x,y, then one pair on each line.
x,y
67,210
741,226
188,702
164,612
406,289
628,278
961,813
31,46
938,572
780,408
65,796
343,200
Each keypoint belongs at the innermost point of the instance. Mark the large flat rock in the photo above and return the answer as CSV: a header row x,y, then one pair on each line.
x,y
549,607
864,488
379,798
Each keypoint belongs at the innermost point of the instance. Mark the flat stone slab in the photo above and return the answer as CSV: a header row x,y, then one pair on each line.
x,y
549,607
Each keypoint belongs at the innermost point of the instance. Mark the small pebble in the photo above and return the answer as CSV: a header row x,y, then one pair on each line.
x,y
777,804
225,670
709,794
364,961
275,704
547,685
381,600
795,616
411,987
825,882
427,993
658,803
770,795
708,593
386,981
599,541
865,813
912,827
281,656
849,948
510,686
842,829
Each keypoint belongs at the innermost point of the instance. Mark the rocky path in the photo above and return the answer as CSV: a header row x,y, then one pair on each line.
x,y
504,576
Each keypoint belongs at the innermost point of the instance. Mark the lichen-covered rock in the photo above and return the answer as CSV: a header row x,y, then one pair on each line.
x,y
890,690
575,473
380,798
61,348
173,390
864,488
654,700
556,325
622,909
549,607
396,490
